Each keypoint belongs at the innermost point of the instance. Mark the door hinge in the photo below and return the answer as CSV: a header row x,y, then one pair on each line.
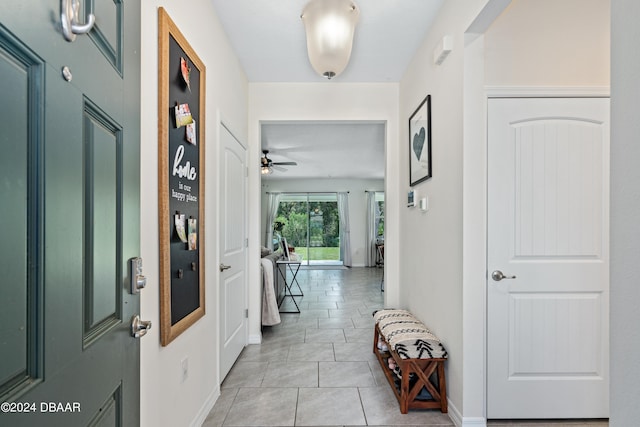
x,y
246,242
246,172
246,313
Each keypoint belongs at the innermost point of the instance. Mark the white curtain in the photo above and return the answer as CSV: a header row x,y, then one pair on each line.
x,y
272,210
371,228
345,232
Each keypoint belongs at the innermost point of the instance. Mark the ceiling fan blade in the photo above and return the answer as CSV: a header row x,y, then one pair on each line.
x,y
278,168
285,163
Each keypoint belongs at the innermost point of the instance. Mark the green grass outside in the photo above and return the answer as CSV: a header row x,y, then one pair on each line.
x,y
319,253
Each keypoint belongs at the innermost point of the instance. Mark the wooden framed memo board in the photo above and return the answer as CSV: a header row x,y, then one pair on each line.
x,y
181,149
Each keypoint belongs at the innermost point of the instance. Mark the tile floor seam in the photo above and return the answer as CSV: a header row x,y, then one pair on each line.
x,y
364,413
229,410
295,413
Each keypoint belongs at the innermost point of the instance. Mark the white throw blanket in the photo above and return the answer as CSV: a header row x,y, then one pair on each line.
x,y
270,313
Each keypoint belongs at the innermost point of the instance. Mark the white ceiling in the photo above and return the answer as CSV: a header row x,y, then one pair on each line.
x,y
268,38
326,149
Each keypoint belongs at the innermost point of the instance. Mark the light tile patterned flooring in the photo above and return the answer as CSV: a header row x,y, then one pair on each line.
x,y
316,368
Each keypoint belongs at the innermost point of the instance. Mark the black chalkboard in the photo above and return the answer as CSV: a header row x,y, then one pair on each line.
x,y
181,180
184,179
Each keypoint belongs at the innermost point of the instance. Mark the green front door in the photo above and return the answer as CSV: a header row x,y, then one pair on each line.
x,y
69,189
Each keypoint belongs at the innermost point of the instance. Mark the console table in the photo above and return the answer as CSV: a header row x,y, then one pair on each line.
x,y
293,267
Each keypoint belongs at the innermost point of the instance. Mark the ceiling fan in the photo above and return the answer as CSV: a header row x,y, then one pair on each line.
x,y
267,165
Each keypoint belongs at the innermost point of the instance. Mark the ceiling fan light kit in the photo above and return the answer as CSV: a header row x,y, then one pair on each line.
x,y
330,26
267,165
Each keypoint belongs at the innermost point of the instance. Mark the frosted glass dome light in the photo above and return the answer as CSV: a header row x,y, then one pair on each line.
x,y
330,26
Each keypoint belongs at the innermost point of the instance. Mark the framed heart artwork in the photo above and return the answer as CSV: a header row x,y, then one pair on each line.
x,y
420,143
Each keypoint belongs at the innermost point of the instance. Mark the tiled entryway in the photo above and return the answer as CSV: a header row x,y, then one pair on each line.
x,y
317,369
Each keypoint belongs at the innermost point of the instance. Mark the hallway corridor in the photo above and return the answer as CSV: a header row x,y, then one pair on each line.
x,y
316,368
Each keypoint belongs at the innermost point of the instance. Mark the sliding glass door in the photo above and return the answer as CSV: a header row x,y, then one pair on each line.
x,y
310,223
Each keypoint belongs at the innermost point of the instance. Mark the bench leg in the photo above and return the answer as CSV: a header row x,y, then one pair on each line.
x,y
443,388
375,339
424,374
404,388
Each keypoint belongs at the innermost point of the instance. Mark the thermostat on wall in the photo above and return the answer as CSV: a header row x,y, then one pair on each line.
x,y
411,200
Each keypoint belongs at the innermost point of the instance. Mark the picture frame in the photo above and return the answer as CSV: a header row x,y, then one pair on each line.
x,y
181,180
420,168
285,249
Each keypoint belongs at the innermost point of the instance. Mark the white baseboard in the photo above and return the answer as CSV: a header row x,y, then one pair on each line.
x,y
206,408
461,421
454,414
474,422
255,339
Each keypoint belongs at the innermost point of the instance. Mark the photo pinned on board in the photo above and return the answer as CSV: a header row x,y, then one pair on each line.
x,y
191,134
183,115
185,70
179,220
193,234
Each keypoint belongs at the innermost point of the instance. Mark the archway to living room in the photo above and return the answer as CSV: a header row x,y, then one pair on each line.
x,y
331,118
322,189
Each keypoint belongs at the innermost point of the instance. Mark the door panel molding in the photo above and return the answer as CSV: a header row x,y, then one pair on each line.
x,y
107,33
578,319
102,223
558,210
110,413
27,338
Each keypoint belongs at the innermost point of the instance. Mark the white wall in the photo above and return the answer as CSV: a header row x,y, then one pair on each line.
x,y
328,101
165,399
549,43
625,211
431,249
357,204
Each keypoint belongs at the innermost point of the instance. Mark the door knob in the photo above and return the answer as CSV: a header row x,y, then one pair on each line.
x,y
498,276
224,267
139,327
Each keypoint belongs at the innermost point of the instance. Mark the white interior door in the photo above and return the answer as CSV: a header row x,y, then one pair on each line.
x,y
233,250
548,205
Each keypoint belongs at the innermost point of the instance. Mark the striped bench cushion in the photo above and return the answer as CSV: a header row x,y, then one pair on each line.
x,y
408,336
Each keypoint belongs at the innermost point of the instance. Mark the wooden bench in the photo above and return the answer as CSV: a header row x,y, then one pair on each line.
x,y
418,354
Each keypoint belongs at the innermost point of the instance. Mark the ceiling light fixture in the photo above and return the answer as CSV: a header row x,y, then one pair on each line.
x,y
330,25
266,170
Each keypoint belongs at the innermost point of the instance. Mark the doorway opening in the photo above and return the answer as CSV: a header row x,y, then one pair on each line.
x,y
311,224
315,193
